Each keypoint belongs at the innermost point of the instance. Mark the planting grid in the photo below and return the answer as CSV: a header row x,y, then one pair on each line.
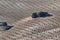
x,y
18,13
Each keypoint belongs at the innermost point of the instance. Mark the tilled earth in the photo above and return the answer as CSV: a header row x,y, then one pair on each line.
x,y
18,13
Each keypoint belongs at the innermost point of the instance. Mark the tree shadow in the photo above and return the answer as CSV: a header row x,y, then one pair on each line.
x,y
44,14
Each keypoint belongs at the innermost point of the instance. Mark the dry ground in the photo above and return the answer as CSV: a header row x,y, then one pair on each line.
x,y
18,13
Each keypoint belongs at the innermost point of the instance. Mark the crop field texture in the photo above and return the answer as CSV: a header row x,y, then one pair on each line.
x,y
18,13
